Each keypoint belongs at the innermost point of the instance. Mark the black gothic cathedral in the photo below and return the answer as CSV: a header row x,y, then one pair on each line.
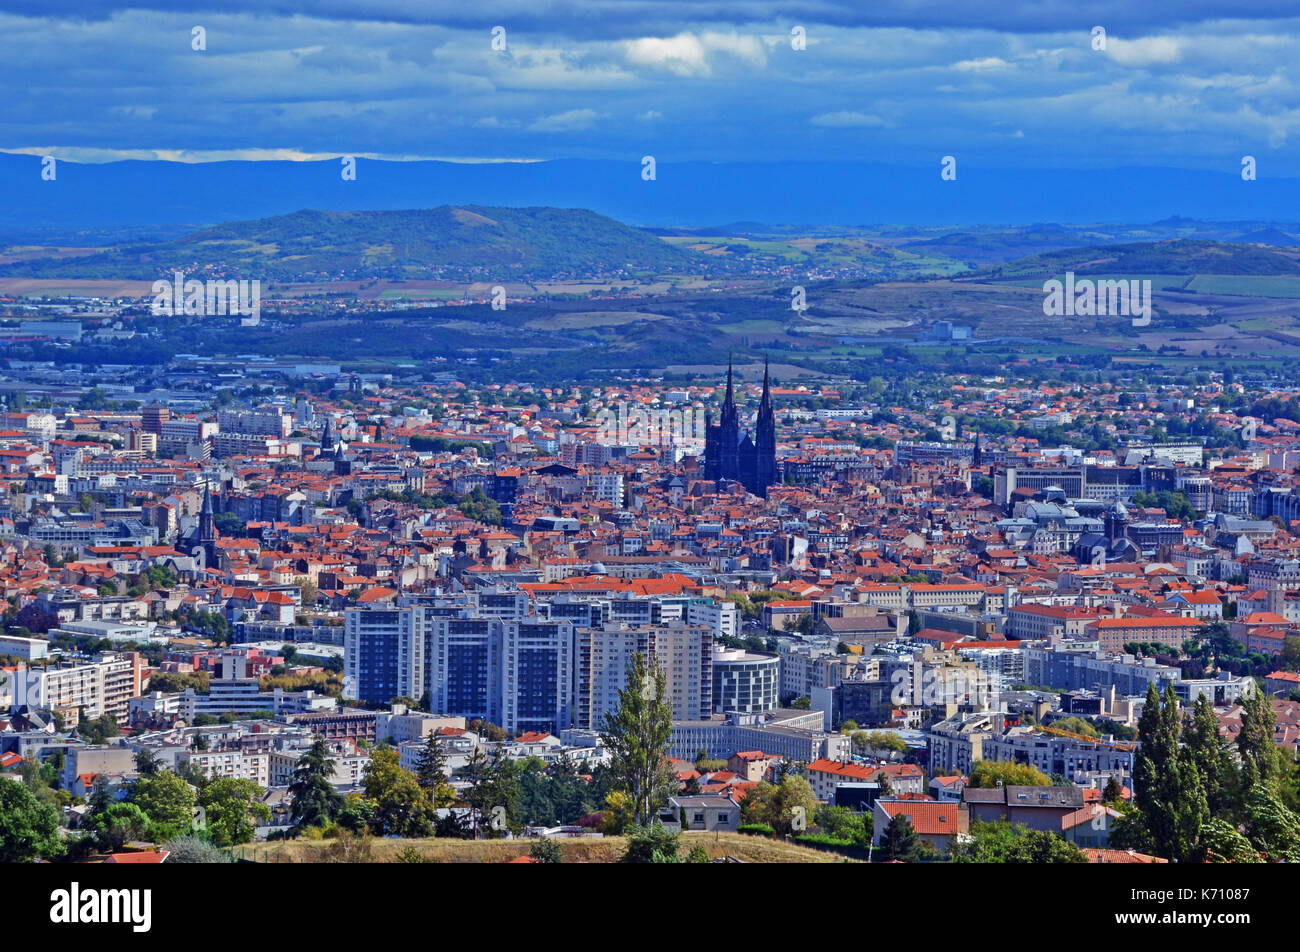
x,y
747,460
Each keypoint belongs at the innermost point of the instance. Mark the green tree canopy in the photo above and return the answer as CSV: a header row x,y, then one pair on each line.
x,y
232,807
314,802
168,802
987,773
29,829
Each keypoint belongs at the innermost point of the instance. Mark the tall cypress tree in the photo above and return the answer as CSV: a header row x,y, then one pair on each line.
x,y
1256,742
1210,756
1170,792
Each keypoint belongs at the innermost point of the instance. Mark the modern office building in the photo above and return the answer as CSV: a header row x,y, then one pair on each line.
x,y
744,681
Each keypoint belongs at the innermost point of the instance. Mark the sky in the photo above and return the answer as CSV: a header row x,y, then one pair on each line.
x,y
1193,84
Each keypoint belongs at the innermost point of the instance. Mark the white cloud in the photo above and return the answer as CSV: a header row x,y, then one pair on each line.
x,y
976,65
1148,51
687,54
847,118
567,121
93,156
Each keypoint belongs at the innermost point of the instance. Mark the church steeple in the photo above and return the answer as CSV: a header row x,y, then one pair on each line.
x,y
204,538
207,518
729,415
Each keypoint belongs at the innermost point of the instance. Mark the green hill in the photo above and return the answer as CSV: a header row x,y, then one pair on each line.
x,y
1179,256
455,243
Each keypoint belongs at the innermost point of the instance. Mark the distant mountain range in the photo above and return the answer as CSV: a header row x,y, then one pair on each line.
x,y
87,198
459,242
488,243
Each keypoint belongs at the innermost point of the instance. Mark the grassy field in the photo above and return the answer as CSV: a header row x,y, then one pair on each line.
x,y
1249,285
751,849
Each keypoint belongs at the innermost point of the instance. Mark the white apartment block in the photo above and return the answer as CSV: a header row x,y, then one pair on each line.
x,y
722,617
93,689
240,765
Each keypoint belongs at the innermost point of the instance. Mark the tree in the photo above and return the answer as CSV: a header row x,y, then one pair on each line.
x,y
309,592
168,802
146,762
899,841
493,791
1225,844
400,806
987,773
844,824
118,825
1076,725
313,799
232,806
1210,755
619,814
1169,792
787,807
652,844
546,851
492,732
356,813
1271,827
1113,791
1015,843
192,849
29,829
888,741
1255,742
431,773
637,736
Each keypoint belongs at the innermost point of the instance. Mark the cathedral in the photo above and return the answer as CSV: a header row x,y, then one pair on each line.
x,y
750,460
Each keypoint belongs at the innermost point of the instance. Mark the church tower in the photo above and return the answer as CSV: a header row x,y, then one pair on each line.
x,y
207,532
729,435
765,439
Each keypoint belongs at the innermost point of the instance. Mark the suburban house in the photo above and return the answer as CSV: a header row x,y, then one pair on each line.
x,y
939,824
701,813
1039,808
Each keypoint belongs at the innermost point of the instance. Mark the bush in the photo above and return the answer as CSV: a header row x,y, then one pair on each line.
x,y
191,849
822,839
546,851
348,847
834,844
756,829
411,854
645,842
